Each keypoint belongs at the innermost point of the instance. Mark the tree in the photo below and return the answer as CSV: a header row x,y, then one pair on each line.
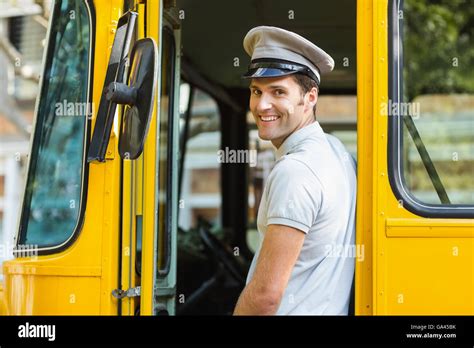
x,y
438,47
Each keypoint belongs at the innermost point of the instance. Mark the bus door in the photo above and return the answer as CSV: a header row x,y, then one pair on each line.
x,y
142,74
416,195
160,169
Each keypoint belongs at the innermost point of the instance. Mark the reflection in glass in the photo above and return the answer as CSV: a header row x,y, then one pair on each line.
x,y
53,192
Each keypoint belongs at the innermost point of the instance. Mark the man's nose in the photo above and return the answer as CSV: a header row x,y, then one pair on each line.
x,y
264,103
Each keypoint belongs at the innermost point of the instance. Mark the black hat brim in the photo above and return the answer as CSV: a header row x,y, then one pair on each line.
x,y
266,72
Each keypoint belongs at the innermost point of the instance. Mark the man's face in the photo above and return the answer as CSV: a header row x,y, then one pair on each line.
x,y
279,107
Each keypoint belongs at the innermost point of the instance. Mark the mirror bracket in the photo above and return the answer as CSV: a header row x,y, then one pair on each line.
x,y
121,93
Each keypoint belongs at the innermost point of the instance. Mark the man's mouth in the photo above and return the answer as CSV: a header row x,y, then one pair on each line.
x,y
269,118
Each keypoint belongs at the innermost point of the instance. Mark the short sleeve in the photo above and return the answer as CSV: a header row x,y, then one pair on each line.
x,y
294,195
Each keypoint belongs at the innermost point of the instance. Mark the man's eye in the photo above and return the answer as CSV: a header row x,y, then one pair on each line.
x,y
256,92
279,92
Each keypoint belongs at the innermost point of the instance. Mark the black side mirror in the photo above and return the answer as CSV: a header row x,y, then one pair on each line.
x,y
115,73
138,96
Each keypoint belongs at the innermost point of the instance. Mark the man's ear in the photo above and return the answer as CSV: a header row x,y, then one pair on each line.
x,y
312,96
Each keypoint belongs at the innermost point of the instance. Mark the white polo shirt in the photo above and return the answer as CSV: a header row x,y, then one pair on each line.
x,y
312,188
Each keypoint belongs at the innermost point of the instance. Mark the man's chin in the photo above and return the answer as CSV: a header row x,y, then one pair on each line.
x,y
264,136
276,140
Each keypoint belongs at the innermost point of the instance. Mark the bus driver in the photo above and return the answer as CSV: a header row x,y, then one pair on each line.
x,y
308,204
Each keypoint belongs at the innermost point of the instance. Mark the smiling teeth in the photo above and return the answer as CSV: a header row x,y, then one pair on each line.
x,y
269,118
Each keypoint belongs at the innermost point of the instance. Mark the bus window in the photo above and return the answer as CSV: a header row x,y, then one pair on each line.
x,y
199,201
257,177
446,126
165,152
433,96
200,186
54,188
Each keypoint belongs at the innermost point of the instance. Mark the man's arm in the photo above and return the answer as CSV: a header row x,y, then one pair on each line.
x,y
280,249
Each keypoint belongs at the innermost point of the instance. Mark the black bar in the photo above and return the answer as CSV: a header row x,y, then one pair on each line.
x,y
242,330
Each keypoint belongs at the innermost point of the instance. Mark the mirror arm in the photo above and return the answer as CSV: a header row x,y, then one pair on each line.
x,y
121,93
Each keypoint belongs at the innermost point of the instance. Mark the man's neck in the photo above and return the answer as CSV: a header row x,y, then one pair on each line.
x,y
278,142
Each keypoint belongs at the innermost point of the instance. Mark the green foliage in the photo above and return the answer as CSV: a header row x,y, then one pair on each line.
x,y
438,47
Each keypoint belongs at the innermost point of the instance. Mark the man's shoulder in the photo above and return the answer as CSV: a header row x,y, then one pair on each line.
x,y
295,170
292,163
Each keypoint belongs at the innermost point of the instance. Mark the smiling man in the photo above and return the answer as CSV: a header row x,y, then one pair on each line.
x,y
308,204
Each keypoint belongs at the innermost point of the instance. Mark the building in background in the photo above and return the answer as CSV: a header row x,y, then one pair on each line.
x,y
23,26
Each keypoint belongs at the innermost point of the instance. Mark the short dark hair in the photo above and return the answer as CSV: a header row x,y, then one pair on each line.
x,y
306,83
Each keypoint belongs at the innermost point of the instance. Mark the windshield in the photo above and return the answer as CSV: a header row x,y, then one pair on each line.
x,y
52,201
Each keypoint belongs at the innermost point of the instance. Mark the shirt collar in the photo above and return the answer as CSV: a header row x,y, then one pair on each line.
x,y
313,129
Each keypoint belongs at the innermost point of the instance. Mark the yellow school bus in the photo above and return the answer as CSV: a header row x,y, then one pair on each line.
x,y
121,215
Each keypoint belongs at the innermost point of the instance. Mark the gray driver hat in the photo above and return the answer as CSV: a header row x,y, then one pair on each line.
x,y
279,52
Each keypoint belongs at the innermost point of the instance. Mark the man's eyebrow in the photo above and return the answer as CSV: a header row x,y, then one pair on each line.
x,y
271,87
277,87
